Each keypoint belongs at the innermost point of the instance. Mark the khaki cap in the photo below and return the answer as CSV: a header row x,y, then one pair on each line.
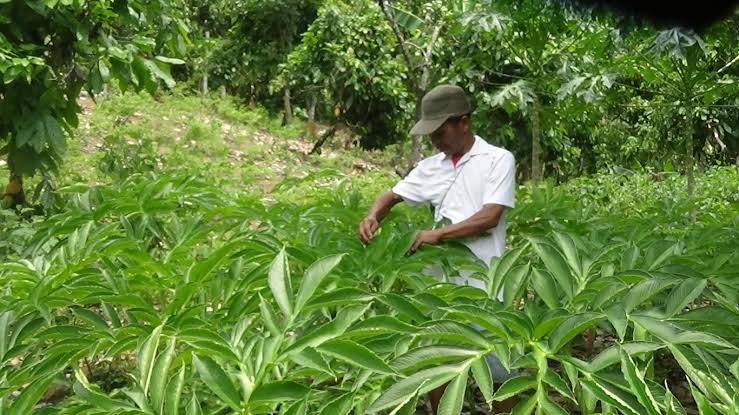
x,y
438,105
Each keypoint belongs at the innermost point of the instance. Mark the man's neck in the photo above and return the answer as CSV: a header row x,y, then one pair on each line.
x,y
469,142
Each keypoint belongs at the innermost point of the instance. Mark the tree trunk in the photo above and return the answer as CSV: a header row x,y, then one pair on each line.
x,y
536,169
326,135
14,194
204,85
311,126
689,163
288,118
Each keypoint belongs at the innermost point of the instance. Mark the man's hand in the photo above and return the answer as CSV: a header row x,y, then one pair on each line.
x,y
431,237
367,228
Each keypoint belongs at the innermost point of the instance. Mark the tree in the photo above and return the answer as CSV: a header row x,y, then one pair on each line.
x,y
50,50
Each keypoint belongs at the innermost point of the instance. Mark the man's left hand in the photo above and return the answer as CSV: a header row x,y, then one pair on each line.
x,y
431,237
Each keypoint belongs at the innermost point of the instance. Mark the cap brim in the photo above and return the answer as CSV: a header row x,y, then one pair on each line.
x,y
425,127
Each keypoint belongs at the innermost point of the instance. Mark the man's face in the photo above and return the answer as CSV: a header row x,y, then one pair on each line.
x,y
448,137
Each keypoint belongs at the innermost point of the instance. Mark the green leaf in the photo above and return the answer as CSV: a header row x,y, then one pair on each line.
x,y
525,406
406,20
555,381
551,408
643,291
424,356
570,328
279,392
297,408
614,397
145,358
683,294
617,316
637,384
328,331
704,405
171,61
340,296
279,283
612,355
514,283
202,269
160,375
514,386
451,330
672,334
90,394
92,318
193,407
420,382
217,380
403,307
313,277
269,317
339,406
309,357
451,401
483,378
356,354
546,288
556,266
173,392
24,403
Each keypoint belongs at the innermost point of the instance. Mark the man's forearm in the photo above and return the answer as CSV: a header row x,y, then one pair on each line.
x,y
383,204
487,218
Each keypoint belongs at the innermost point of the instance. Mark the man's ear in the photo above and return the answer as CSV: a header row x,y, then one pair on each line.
x,y
466,122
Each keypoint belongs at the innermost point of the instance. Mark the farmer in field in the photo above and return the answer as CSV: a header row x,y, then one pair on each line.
x,y
470,183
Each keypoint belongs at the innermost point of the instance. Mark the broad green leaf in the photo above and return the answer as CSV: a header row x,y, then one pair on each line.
x,y
160,375
173,392
566,245
297,408
672,334
546,288
145,358
309,357
617,316
406,19
447,329
24,403
202,269
704,405
431,355
217,380
279,283
403,307
612,355
420,382
330,330
525,406
570,328
451,401
555,381
339,296
557,266
514,283
339,406
683,294
638,385
672,405
551,408
279,391
643,291
499,269
313,277
92,318
89,393
193,407
269,317
614,397
514,386
356,354
382,324
483,378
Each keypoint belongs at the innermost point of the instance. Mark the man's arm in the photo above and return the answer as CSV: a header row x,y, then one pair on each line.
x,y
377,212
486,218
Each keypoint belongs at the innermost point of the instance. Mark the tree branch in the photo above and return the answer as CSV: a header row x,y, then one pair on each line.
x,y
401,40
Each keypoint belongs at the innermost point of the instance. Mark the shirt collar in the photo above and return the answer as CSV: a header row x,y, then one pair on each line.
x,y
479,147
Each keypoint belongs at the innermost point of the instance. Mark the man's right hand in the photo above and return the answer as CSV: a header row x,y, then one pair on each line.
x,y
367,228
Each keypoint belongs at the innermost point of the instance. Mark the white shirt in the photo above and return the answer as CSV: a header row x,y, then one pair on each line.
x,y
485,174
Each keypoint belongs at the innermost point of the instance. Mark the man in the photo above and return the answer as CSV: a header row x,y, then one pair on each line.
x,y
470,183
